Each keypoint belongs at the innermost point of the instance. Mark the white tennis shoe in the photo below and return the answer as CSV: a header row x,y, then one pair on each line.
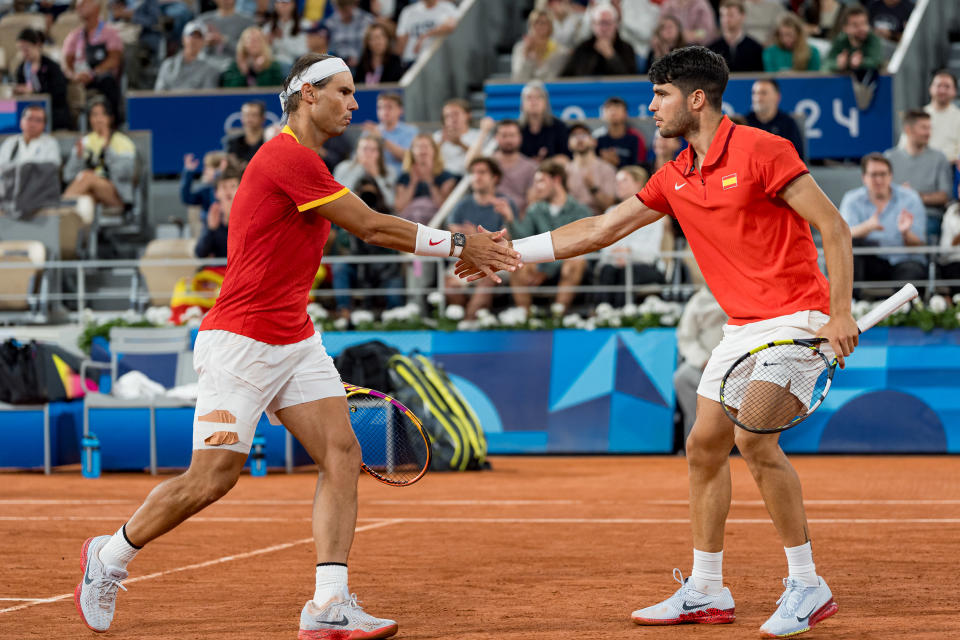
x,y
800,607
688,606
96,595
342,620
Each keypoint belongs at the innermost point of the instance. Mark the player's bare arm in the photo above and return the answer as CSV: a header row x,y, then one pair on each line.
x,y
576,238
805,197
486,250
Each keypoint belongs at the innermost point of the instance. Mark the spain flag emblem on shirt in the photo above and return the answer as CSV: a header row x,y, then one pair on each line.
x,y
729,182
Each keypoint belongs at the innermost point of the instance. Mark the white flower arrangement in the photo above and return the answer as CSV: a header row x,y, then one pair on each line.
x,y
435,298
454,312
938,304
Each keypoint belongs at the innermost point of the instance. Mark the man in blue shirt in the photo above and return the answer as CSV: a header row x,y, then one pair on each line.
x,y
397,136
766,114
484,206
883,214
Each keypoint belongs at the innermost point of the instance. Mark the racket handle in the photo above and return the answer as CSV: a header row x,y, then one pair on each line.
x,y
887,307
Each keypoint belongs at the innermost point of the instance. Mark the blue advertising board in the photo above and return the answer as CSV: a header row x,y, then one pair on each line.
x,y
835,127
196,123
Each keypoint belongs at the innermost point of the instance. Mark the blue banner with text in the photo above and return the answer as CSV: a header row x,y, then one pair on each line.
x,y
835,127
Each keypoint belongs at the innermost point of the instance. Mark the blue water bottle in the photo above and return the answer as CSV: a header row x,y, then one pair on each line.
x,y
90,461
258,456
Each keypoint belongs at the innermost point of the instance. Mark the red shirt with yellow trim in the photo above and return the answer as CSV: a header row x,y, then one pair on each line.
x,y
275,243
756,253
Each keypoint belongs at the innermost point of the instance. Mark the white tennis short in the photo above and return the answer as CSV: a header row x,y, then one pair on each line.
x,y
739,339
240,378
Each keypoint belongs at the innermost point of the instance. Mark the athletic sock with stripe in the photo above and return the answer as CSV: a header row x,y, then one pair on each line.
x,y
331,583
119,551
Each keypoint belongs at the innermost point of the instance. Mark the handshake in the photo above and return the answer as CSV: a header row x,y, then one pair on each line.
x,y
485,253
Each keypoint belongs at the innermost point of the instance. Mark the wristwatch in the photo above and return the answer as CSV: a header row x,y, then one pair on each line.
x,y
459,242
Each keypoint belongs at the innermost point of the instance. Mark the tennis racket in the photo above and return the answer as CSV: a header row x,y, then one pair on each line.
x,y
779,384
394,447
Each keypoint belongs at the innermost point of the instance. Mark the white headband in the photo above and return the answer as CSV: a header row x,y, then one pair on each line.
x,y
311,75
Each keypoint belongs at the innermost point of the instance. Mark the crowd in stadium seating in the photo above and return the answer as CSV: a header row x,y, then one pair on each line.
x,y
543,171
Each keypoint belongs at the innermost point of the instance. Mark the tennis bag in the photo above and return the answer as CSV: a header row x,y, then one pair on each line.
x,y
366,364
455,433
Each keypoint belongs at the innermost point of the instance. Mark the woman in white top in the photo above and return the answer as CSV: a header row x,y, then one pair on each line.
x,y
286,32
368,161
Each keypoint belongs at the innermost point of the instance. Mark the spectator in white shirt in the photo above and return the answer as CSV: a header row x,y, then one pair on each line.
x,y
420,23
33,145
456,136
944,116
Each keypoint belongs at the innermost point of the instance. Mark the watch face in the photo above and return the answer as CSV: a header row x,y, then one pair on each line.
x,y
459,239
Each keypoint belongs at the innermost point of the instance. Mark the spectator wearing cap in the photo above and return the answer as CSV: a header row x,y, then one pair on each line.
x,y
544,135
486,207
741,52
889,17
617,142
378,63
187,70
590,179
537,56
766,113
696,16
921,168
857,50
316,38
883,214
420,23
39,74
241,147
224,27
605,53
253,65
345,28
93,54
286,31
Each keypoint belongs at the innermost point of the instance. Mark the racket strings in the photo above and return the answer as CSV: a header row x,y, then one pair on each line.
x,y
392,445
776,386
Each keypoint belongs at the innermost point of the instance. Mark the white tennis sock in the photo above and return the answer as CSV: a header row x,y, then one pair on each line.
x,y
118,552
331,583
800,562
707,574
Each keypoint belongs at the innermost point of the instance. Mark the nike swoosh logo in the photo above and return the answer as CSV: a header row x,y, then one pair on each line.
x,y
433,244
342,622
86,574
679,185
690,607
804,618
770,364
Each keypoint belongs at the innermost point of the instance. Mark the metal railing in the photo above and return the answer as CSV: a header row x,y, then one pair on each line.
x,y
138,296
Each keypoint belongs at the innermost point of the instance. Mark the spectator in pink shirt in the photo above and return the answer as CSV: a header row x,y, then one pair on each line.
x,y
93,55
696,16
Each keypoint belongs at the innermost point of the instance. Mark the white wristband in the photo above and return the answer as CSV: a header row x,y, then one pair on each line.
x,y
432,242
538,248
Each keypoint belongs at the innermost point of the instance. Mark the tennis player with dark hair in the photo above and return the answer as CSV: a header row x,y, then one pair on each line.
x,y
744,200
258,351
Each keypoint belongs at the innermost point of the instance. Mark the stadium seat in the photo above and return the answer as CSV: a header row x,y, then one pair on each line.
x,y
23,289
160,279
118,421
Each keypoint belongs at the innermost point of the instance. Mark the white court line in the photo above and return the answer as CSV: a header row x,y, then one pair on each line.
x,y
200,565
515,520
448,503
759,503
21,599
680,502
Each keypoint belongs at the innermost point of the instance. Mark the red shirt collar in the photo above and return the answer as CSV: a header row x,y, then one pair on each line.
x,y
718,147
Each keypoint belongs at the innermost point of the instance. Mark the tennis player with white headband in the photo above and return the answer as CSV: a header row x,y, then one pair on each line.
x,y
257,351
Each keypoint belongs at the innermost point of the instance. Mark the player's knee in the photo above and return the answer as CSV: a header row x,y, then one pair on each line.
x,y
343,454
702,451
755,448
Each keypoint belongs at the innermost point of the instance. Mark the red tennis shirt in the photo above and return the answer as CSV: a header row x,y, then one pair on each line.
x,y
275,243
756,253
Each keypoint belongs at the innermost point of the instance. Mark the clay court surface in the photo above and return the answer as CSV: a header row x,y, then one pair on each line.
x,y
537,548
